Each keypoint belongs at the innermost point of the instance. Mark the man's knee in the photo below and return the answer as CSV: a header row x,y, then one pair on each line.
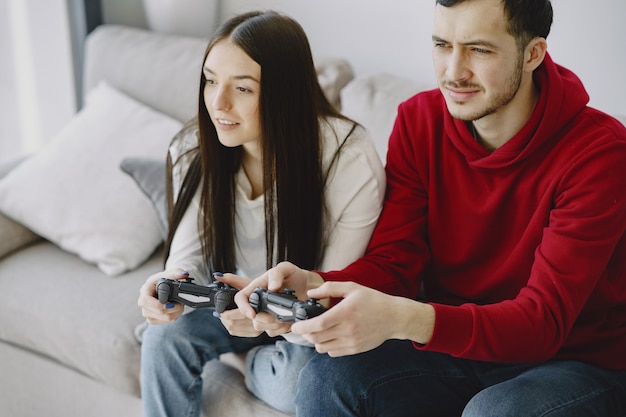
x,y
513,398
321,378
490,404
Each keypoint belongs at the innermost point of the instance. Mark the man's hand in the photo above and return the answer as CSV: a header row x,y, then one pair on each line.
x,y
151,307
364,319
283,275
239,324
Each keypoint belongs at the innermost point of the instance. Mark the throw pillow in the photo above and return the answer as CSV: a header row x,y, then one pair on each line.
x,y
333,74
73,193
373,102
149,175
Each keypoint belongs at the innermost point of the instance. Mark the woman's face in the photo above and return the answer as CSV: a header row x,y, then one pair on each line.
x,y
231,96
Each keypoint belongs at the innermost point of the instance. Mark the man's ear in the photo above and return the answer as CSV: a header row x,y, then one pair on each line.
x,y
535,53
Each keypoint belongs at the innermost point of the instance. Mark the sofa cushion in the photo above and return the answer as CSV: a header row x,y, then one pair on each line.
x,y
73,313
373,101
73,192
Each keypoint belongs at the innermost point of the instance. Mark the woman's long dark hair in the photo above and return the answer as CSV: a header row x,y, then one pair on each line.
x,y
291,103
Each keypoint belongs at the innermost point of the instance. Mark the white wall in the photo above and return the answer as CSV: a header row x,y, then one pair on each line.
x,y
9,129
36,76
587,36
375,36
395,36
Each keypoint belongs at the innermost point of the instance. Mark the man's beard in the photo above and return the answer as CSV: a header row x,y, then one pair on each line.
x,y
501,100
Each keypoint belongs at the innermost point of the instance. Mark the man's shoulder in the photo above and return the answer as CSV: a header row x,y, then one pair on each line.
x,y
598,124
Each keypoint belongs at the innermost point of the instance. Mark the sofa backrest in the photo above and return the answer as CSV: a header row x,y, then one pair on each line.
x,y
161,71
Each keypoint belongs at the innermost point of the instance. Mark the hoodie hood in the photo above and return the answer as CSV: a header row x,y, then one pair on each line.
x,y
562,97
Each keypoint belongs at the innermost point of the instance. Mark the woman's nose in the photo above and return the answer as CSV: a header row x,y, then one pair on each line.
x,y
220,100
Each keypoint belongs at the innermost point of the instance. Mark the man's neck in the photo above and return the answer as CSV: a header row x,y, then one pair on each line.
x,y
496,129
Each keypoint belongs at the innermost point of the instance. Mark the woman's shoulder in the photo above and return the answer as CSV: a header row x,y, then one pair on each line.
x,y
341,134
350,147
185,141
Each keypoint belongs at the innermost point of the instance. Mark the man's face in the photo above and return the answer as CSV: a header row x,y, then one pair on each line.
x,y
478,65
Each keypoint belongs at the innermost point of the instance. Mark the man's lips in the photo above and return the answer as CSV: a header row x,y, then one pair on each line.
x,y
461,93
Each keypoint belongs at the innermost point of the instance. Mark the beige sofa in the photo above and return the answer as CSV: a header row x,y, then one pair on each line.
x,y
78,236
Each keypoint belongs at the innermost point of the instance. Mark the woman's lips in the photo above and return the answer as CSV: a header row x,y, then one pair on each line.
x,y
226,125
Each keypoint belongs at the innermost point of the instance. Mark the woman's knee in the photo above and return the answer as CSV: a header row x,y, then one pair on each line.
x,y
162,339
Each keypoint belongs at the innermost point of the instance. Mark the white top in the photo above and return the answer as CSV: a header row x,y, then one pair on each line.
x,y
353,196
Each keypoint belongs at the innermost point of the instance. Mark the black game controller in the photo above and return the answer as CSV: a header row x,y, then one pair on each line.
x,y
217,294
284,305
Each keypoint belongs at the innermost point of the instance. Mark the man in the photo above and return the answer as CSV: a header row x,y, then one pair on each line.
x,y
506,202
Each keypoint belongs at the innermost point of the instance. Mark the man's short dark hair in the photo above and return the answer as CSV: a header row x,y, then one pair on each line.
x,y
527,19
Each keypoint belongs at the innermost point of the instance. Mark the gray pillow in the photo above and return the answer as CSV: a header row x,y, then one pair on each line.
x,y
149,175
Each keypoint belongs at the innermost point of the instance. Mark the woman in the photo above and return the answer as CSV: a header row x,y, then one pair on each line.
x,y
277,174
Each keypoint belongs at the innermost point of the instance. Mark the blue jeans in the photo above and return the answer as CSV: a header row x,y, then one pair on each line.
x,y
173,357
397,380
272,372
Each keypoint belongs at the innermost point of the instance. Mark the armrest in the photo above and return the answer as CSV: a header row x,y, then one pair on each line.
x,y
13,235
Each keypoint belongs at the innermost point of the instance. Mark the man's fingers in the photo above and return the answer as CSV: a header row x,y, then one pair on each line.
x,y
332,290
276,276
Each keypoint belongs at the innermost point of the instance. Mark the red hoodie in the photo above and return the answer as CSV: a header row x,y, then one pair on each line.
x,y
521,251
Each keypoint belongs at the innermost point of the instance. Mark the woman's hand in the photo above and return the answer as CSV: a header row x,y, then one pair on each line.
x,y
234,321
151,307
238,324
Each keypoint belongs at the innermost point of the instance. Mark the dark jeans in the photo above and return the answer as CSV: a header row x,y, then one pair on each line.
x,y
397,380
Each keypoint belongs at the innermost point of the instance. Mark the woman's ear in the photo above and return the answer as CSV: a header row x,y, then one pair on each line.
x,y
535,53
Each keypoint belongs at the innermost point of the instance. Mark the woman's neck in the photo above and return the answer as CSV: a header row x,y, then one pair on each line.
x,y
253,168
